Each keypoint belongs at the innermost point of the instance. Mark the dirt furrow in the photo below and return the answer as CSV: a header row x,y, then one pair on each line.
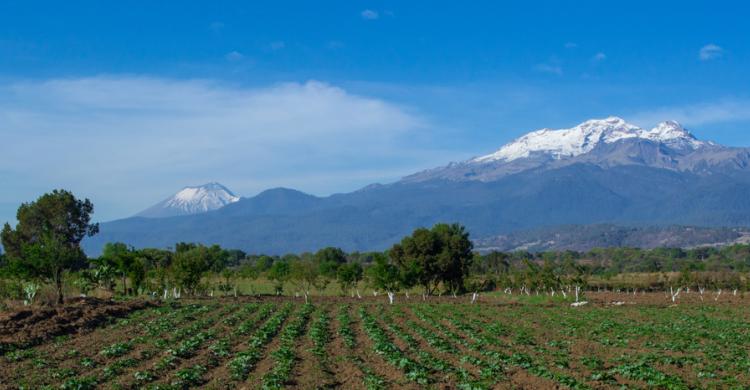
x,y
347,374
220,377
148,370
373,361
312,371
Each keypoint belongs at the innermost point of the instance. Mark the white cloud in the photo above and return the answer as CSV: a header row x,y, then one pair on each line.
x,y
723,111
370,14
234,56
599,57
131,140
710,52
277,45
549,68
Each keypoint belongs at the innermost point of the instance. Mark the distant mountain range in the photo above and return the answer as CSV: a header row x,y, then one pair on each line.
x,y
602,171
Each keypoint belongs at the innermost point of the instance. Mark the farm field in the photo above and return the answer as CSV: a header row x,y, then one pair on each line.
x,y
281,342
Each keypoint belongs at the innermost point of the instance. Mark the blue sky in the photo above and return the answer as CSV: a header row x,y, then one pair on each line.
x,y
127,102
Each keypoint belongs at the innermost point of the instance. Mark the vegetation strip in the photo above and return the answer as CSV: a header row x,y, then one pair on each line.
x,y
284,356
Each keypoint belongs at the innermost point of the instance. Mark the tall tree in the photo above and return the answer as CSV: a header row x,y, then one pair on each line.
x,y
217,258
279,273
46,241
329,260
432,256
384,275
349,275
119,256
189,266
305,274
455,256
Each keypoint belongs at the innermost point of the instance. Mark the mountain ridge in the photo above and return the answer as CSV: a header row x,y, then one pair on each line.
x,y
603,142
662,177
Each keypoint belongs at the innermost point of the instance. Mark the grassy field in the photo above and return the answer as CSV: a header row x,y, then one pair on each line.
x,y
500,342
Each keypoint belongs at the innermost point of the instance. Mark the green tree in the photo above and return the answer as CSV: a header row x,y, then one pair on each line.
x,y
305,274
157,263
235,257
278,273
189,266
263,263
578,277
549,280
46,241
329,260
217,258
442,254
227,284
496,262
349,276
184,247
384,275
455,256
137,274
118,255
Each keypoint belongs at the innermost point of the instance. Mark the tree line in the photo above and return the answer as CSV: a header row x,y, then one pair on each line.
x,y
44,249
44,246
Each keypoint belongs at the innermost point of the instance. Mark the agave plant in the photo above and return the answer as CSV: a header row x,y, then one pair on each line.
x,y
29,290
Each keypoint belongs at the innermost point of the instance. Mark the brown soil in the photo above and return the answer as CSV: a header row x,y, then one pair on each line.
x,y
266,364
453,358
346,373
518,378
89,326
219,377
127,379
29,327
311,371
373,361
498,299
447,380
662,298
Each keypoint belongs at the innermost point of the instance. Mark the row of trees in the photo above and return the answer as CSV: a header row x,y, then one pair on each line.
x,y
616,260
45,244
44,247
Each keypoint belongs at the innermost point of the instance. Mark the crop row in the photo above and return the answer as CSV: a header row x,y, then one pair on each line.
x,y
243,362
384,346
372,381
284,357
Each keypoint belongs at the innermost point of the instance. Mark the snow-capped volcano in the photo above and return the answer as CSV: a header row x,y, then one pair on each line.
x,y
601,171
192,200
606,143
587,136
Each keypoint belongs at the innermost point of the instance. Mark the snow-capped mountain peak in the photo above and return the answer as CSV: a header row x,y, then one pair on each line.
x,y
670,129
672,133
203,198
193,200
585,137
